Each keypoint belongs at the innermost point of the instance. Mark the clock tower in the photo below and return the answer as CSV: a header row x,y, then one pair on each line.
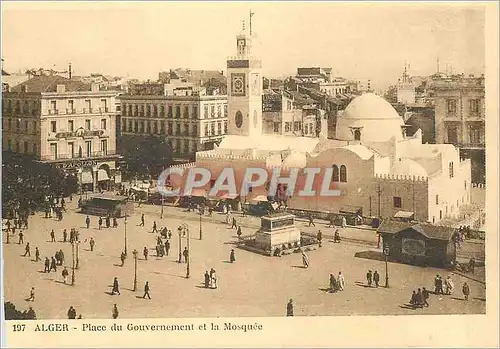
x,y
244,81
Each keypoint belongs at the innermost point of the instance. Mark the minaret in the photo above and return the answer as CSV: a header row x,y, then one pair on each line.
x,y
244,80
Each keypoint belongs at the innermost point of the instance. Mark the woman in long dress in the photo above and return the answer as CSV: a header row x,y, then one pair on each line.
x,y
305,260
333,283
449,285
340,281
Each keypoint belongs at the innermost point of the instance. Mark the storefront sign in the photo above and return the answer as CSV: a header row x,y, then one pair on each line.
x,y
78,164
413,247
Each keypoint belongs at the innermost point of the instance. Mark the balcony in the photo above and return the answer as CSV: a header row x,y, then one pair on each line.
x,y
76,156
79,133
53,111
472,145
70,111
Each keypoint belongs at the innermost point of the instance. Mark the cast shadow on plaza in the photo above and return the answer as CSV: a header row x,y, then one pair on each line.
x,y
373,255
62,282
299,266
408,306
362,284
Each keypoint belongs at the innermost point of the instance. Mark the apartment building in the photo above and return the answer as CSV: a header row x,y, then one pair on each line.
x,y
65,123
189,121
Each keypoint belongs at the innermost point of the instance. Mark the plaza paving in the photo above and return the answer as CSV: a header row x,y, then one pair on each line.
x,y
254,285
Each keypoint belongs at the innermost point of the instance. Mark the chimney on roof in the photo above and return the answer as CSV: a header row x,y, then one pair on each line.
x,y
60,88
69,71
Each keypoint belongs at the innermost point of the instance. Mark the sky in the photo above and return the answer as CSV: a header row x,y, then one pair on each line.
x,y
357,40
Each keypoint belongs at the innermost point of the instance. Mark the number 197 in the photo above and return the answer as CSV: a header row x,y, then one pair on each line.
x,y
19,327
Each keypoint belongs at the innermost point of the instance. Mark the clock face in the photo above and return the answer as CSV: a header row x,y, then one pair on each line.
x,y
238,84
238,119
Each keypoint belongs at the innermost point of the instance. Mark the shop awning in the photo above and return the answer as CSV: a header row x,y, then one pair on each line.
x,y
404,214
87,177
102,175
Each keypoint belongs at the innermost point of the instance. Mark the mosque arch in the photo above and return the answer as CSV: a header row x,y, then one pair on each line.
x,y
335,176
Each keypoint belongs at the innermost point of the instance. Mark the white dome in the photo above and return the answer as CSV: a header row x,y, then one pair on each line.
x,y
407,167
295,160
373,116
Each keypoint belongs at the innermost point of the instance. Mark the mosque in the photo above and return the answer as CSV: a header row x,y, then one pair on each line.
x,y
379,169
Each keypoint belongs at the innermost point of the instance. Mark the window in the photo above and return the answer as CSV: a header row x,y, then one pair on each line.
x,y
169,111
104,104
212,128
178,130
474,106
136,126
34,127
148,127
124,125
162,111
195,111
219,111
335,176
155,111
71,108
475,135
212,111
88,146
397,201
437,199
195,130
343,173
450,169
451,106
143,128
18,125
141,110
71,149
186,111
225,110
104,146
53,126
71,126
155,127
148,110
26,147
136,110
9,124
276,127
53,150
296,126
288,126
219,128
306,129
9,145
26,126
452,134
288,105
35,150
440,214
87,124
177,111
205,112
88,102
465,185
357,135
225,127
206,129
53,106
186,146
170,128
103,124
162,127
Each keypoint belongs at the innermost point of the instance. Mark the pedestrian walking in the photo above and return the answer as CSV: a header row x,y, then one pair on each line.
x,y
234,224
21,238
232,258
115,222
213,278
472,265
27,251
333,283
419,299
376,278
185,253
369,278
37,255
289,308
344,222
116,288
238,232
311,220
413,299
123,256
207,279
65,274
53,264
92,243
142,220
65,235
146,290
319,237
449,285
61,257
145,253
87,221
108,221
167,247
114,312
425,296
100,223
305,260
52,236
155,229
32,295
340,281
228,217
466,291
336,236
71,313
47,265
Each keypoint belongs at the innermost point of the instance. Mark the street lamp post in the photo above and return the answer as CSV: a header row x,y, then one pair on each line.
x,y
189,254
386,253
161,214
134,252
125,249
201,230
77,245
8,237
73,265
180,244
